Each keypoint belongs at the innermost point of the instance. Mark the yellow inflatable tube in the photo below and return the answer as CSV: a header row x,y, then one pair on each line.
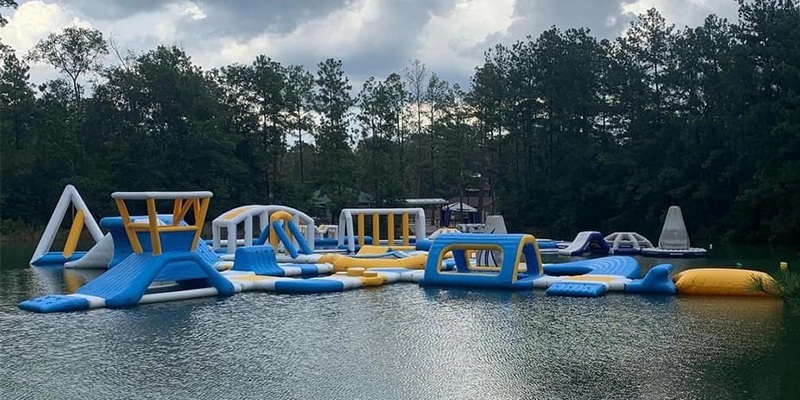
x,y
412,262
724,282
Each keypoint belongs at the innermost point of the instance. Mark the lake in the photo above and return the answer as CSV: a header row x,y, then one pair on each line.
x,y
401,342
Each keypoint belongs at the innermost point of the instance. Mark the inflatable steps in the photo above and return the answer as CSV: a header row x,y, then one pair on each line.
x,y
261,260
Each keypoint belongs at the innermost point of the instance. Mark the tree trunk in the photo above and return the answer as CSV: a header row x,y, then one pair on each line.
x,y
300,139
76,89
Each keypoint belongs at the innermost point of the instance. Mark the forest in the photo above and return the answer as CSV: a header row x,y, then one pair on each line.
x,y
570,131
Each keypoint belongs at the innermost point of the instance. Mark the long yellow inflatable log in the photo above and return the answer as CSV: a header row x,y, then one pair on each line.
x,y
413,262
724,282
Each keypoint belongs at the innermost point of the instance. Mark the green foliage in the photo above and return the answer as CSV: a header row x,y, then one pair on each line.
x,y
335,163
788,284
784,284
570,131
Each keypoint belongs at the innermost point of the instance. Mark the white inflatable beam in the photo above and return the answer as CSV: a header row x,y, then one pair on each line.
x,y
69,196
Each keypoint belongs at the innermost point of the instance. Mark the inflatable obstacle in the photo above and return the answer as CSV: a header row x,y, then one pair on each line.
x,y
371,257
246,216
627,243
514,248
674,239
43,255
158,253
584,278
586,242
290,246
350,237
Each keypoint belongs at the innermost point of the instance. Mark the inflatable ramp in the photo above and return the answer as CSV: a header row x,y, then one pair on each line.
x,y
125,285
586,242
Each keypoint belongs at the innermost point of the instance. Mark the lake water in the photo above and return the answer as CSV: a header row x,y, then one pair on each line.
x,y
400,342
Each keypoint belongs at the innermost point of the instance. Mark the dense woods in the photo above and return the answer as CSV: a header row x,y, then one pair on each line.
x,y
571,131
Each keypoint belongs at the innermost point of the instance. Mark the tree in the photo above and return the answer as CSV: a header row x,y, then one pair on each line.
x,y
571,131
416,74
75,52
17,116
268,86
334,167
381,105
300,102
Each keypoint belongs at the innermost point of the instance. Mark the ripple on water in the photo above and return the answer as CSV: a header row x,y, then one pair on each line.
x,y
399,342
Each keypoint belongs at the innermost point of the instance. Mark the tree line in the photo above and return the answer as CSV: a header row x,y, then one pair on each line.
x,y
571,131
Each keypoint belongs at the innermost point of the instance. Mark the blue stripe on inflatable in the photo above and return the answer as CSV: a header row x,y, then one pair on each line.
x,y
55,303
277,226
576,289
309,286
388,255
262,238
547,244
298,236
55,258
307,269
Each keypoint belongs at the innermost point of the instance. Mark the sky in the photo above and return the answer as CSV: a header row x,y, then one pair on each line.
x,y
372,37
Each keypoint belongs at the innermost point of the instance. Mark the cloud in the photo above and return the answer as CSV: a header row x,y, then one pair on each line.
x,y
32,22
372,37
684,12
452,44
35,20
239,18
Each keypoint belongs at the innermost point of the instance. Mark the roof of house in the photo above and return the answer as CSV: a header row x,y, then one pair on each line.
x,y
425,202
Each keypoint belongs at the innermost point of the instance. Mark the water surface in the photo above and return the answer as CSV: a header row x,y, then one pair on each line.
x,y
398,342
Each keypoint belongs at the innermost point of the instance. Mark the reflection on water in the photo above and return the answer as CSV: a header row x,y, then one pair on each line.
x,y
399,341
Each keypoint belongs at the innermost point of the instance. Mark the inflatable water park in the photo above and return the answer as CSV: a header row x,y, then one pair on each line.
x,y
161,256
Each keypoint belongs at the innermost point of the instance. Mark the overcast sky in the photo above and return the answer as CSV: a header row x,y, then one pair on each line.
x,y
372,37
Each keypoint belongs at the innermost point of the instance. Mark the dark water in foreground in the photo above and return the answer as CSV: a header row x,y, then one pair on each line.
x,y
399,342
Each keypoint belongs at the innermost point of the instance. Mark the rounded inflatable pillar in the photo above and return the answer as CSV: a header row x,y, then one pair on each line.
x,y
273,227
